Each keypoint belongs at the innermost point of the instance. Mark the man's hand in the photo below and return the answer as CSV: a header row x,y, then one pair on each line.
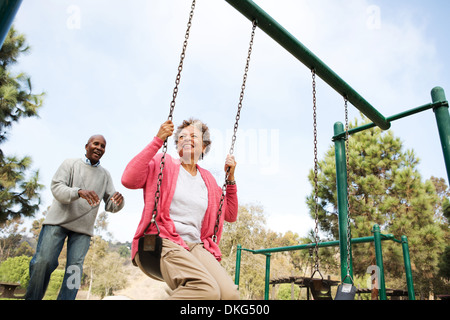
x,y
117,199
90,196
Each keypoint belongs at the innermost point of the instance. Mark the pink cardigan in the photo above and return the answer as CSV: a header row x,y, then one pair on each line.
x,y
142,172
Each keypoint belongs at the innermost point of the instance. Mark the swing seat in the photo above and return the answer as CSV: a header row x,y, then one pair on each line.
x,y
148,257
320,289
345,292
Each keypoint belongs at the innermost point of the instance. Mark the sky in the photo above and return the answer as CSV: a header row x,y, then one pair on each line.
x,y
109,67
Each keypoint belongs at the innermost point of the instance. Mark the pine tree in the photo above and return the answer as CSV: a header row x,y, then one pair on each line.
x,y
385,189
19,188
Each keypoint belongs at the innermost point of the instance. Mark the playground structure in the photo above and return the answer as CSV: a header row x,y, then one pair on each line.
x,y
439,104
377,238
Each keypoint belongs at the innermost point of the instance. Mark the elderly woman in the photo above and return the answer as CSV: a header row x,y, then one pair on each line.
x,y
187,212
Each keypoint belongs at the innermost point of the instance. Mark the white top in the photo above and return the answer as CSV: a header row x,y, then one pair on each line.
x,y
189,205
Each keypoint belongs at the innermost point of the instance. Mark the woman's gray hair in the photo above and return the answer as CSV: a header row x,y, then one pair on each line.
x,y
200,126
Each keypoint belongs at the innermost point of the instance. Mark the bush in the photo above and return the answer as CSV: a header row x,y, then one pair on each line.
x,y
16,270
284,292
54,285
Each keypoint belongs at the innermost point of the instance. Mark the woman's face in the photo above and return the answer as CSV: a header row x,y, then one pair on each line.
x,y
190,144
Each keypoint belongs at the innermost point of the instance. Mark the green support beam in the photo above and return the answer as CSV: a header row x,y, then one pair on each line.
x,y
273,29
408,270
325,244
238,265
379,258
443,123
395,117
8,11
341,185
440,107
267,278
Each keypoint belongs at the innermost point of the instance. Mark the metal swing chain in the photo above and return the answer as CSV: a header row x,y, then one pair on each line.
x,y
236,124
316,185
170,117
348,188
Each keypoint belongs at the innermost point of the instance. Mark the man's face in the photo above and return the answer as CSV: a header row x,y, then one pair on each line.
x,y
95,148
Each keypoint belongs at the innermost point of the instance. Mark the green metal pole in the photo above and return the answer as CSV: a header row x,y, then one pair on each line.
x,y
267,278
273,29
379,258
341,181
407,261
443,122
324,244
238,264
394,117
8,11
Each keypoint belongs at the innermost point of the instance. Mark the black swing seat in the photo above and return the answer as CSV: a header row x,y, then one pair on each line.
x,y
148,257
345,292
320,289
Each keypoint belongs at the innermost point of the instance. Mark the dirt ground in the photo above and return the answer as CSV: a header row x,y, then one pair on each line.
x,y
139,287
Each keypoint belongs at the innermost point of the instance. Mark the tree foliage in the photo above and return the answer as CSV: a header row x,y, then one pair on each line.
x,y
19,188
10,237
104,269
248,231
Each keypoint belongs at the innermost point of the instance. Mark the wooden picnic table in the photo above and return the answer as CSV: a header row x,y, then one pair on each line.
x,y
303,282
9,290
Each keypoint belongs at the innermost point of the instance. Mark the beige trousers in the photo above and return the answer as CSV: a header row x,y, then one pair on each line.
x,y
195,274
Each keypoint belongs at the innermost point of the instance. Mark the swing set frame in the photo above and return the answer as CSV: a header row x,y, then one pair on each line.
x,y
439,105
377,238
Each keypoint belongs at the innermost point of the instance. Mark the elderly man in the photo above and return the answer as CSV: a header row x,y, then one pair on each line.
x,y
77,187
